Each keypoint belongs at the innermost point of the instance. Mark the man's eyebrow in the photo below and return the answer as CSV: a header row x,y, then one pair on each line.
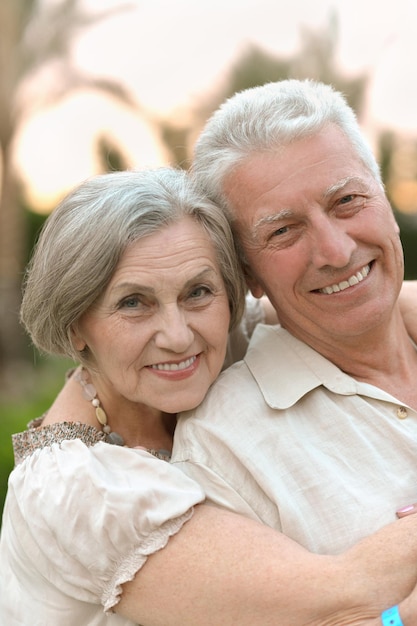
x,y
270,219
288,213
341,184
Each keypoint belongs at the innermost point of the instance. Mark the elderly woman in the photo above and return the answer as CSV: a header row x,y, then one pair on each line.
x,y
135,277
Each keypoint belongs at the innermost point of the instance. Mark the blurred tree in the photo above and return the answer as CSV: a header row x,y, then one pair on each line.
x,y
110,156
176,140
408,230
14,15
34,35
316,59
398,160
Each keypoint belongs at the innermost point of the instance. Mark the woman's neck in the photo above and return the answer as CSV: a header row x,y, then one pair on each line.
x,y
137,424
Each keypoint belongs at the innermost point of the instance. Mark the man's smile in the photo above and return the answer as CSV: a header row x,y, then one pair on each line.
x,y
350,282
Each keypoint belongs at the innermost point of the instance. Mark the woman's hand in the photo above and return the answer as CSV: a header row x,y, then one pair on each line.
x,y
407,510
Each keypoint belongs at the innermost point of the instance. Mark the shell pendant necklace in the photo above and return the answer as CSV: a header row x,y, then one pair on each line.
x,y
112,437
90,394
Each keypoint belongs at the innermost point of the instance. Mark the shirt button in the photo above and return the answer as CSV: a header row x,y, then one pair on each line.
x,y
402,413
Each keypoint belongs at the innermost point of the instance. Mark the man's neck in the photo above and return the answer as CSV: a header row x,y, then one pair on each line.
x,y
385,358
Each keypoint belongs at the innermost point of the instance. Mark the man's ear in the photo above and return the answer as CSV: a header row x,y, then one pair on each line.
x,y
252,283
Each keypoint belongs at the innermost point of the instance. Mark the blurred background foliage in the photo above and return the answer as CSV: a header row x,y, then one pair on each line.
x,y
34,35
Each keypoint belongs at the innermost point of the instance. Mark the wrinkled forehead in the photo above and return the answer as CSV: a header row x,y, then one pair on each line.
x,y
287,182
328,151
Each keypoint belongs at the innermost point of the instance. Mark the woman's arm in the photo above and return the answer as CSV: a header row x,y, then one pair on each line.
x,y
225,569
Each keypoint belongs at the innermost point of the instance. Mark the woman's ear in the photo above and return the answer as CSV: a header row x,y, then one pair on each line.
x,y
77,340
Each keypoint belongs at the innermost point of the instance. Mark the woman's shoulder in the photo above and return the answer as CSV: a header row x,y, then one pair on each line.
x,y
38,436
88,513
69,465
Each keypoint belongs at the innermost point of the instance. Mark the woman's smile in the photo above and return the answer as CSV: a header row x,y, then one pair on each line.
x,y
175,366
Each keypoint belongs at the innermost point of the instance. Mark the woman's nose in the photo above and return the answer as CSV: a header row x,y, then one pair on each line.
x,y
173,332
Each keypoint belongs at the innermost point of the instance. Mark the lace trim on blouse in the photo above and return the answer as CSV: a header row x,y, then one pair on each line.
x,y
127,569
38,436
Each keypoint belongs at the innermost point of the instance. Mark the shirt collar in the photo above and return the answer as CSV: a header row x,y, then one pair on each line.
x,y
285,379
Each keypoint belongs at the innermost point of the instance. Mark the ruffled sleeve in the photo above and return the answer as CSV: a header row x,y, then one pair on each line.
x,y
87,517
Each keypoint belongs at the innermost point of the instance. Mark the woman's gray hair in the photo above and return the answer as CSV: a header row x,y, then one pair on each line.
x,y
84,238
265,119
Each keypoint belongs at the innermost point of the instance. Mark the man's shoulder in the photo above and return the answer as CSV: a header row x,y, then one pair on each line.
x,y
234,382
226,403
250,381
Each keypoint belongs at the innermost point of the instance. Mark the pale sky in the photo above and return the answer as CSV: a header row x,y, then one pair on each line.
x,y
172,51
171,54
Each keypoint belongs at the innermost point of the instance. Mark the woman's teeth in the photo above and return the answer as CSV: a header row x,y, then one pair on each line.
x,y
173,367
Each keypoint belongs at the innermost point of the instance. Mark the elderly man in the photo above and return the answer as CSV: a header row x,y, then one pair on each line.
x,y
315,432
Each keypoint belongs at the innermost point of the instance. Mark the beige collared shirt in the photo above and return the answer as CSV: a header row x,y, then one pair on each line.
x,y
287,438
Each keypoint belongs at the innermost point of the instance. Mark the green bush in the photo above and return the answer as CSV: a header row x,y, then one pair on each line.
x,y
39,387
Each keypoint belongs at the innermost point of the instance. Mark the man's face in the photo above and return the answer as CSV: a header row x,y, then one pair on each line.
x,y
319,237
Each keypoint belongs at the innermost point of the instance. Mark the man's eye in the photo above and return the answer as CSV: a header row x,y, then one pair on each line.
x,y
346,199
280,231
350,204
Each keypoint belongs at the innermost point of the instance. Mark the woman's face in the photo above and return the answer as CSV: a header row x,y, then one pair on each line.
x,y
157,335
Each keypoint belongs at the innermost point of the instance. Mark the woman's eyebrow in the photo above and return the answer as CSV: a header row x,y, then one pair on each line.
x,y
146,289
129,286
205,273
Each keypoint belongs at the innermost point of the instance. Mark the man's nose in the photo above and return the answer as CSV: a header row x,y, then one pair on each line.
x,y
332,245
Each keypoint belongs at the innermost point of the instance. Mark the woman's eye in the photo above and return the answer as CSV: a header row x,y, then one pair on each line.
x,y
130,303
199,292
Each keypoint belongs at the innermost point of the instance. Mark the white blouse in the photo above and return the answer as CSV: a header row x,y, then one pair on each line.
x,y
80,519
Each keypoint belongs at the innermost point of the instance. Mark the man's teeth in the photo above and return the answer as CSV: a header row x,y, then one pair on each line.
x,y
353,280
173,367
